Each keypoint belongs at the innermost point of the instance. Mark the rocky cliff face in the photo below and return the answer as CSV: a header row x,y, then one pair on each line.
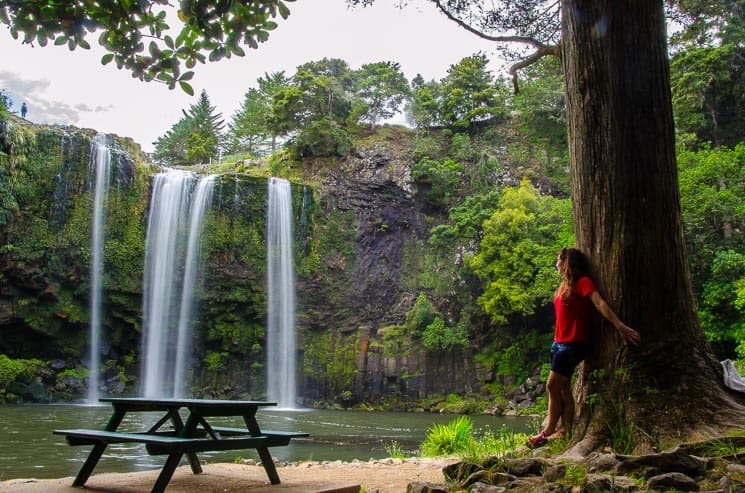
x,y
373,191
358,293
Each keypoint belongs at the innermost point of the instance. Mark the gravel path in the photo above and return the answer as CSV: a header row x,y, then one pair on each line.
x,y
375,476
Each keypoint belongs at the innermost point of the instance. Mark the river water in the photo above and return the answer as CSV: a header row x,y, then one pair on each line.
x,y
29,449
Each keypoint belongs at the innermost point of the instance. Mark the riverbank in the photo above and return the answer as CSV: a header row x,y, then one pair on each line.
x,y
382,476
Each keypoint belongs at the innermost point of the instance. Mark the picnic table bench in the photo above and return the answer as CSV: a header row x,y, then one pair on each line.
x,y
185,438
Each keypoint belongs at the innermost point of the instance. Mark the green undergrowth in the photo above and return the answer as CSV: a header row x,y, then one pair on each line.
x,y
457,438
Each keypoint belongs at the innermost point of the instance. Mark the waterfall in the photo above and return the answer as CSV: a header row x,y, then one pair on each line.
x,y
101,161
280,340
171,265
199,204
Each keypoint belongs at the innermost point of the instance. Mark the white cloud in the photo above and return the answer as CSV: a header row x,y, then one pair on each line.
x,y
43,107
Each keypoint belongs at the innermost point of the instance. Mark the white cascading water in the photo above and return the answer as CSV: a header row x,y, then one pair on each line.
x,y
171,254
201,200
280,340
101,161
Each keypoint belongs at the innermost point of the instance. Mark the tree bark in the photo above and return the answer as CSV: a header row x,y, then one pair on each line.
x,y
627,214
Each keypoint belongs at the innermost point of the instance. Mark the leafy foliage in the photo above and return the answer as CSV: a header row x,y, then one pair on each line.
x,y
421,315
709,92
466,220
424,109
518,251
712,184
439,337
540,118
468,96
330,360
438,180
16,369
5,104
138,35
16,142
721,310
326,86
322,138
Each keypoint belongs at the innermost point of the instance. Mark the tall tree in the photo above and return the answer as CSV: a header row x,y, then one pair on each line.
x,y
627,210
319,89
627,215
205,132
469,94
327,87
383,88
424,109
271,84
249,129
195,138
170,148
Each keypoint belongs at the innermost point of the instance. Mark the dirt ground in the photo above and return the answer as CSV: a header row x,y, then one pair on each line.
x,y
380,476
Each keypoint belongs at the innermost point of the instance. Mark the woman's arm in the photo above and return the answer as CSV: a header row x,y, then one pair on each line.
x,y
627,333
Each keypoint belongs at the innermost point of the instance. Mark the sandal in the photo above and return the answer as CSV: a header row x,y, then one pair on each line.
x,y
559,434
538,440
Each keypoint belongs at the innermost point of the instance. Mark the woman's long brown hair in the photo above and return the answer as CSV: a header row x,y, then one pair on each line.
x,y
575,266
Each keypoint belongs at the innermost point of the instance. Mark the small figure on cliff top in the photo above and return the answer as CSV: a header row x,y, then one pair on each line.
x,y
573,304
24,109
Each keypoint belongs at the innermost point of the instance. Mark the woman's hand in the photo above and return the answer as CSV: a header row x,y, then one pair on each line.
x,y
628,334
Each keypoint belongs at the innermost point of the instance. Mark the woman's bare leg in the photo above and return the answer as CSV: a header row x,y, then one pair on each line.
x,y
557,386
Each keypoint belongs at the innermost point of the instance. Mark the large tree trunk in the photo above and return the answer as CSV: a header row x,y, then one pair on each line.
x,y
628,220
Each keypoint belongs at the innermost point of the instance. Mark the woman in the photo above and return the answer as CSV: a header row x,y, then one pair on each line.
x,y
573,304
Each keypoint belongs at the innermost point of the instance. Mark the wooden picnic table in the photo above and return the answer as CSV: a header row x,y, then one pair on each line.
x,y
188,437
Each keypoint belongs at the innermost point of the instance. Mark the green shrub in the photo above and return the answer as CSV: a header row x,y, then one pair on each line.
x,y
421,315
17,369
456,438
78,374
512,362
576,474
439,337
322,138
394,450
492,444
216,361
449,439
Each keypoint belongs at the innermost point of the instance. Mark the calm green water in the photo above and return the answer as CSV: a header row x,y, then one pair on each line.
x,y
28,449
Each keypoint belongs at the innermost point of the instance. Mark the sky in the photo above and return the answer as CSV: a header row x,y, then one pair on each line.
x,y
73,88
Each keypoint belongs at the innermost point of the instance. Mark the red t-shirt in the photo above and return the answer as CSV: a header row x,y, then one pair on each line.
x,y
574,316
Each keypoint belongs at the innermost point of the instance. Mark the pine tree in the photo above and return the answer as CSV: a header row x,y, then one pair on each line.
x,y
195,138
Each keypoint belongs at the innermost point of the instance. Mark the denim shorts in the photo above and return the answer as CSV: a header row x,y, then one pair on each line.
x,y
565,356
